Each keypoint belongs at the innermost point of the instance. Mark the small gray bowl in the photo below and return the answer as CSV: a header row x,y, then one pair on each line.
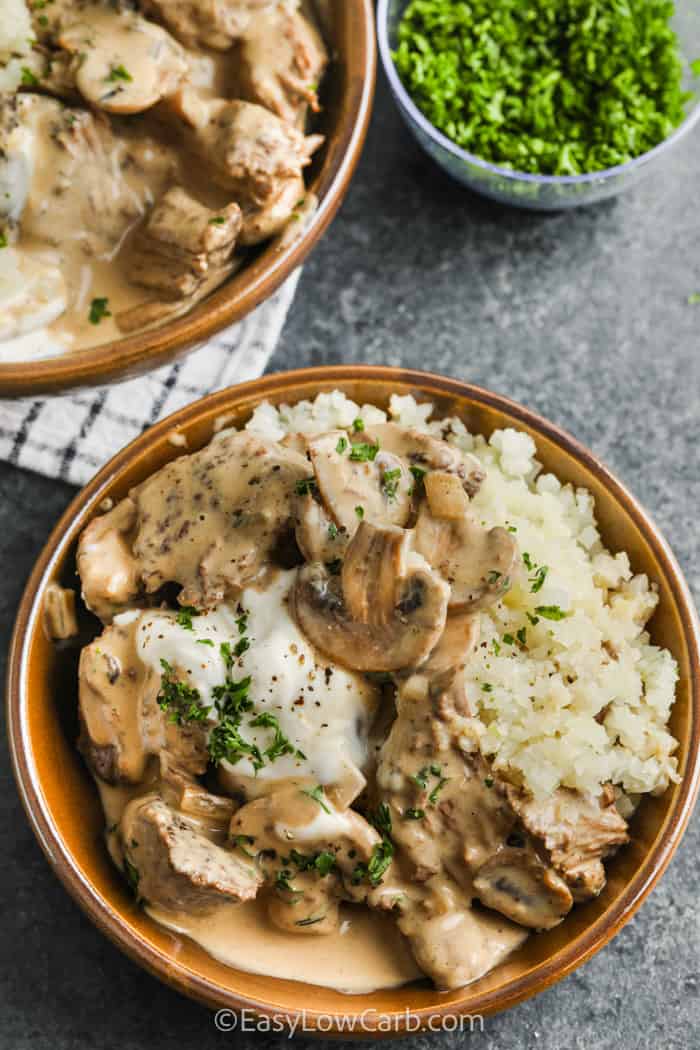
x,y
537,192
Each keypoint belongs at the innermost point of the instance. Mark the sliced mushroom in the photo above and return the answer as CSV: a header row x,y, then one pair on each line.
x,y
59,612
478,563
457,643
429,453
122,725
360,481
517,884
172,865
108,570
123,63
384,620
318,536
309,849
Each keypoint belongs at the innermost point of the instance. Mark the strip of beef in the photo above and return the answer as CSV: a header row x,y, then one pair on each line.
x,y
211,23
171,864
281,61
182,244
450,814
84,186
578,832
122,726
211,522
256,157
313,854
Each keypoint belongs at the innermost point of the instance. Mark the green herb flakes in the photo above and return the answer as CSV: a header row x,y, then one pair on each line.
x,y
98,310
546,88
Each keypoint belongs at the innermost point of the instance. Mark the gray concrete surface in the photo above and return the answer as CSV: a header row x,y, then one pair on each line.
x,y
581,316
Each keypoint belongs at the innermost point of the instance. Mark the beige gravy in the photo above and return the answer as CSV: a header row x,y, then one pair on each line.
x,y
365,954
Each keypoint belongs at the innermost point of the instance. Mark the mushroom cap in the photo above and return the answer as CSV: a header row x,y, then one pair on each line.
x,y
387,611
478,563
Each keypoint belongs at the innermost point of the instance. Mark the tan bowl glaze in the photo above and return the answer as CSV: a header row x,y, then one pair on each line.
x,y
346,96
63,806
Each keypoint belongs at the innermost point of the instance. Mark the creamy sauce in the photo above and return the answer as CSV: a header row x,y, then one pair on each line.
x,y
365,954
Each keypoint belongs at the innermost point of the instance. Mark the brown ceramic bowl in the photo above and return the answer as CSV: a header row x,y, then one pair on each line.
x,y
62,803
347,94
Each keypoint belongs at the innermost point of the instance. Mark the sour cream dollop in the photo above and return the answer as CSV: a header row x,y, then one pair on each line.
x,y
323,710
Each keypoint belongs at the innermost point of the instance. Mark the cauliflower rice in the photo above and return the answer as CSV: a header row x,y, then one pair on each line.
x,y
579,700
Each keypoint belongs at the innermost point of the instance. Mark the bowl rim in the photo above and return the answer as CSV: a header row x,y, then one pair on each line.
x,y
576,951
587,178
132,355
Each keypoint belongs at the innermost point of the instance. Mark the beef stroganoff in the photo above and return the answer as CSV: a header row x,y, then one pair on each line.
x,y
146,149
369,678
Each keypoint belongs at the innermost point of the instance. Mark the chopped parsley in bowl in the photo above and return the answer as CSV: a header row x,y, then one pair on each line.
x,y
567,96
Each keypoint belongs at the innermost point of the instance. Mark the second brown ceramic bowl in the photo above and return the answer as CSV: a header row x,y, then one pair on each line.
x,y
347,94
62,803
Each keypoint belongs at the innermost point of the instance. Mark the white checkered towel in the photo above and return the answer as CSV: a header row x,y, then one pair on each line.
x,y
71,436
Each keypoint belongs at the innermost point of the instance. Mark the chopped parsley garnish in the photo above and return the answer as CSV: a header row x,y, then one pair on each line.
x,y
522,635
508,639
494,576
317,795
378,864
419,475
119,73
242,622
205,641
280,745
381,818
487,687
181,701
232,700
98,310
542,87
322,862
358,425
414,814
282,882
551,612
496,647
218,220
341,446
241,646
534,620
364,452
511,528
3,240
29,79
390,482
537,581
383,852
360,511
184,617
241,841
433,796
489,781
332,531
305,487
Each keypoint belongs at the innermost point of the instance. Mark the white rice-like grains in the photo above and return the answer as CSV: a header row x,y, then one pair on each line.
x,y
579,701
